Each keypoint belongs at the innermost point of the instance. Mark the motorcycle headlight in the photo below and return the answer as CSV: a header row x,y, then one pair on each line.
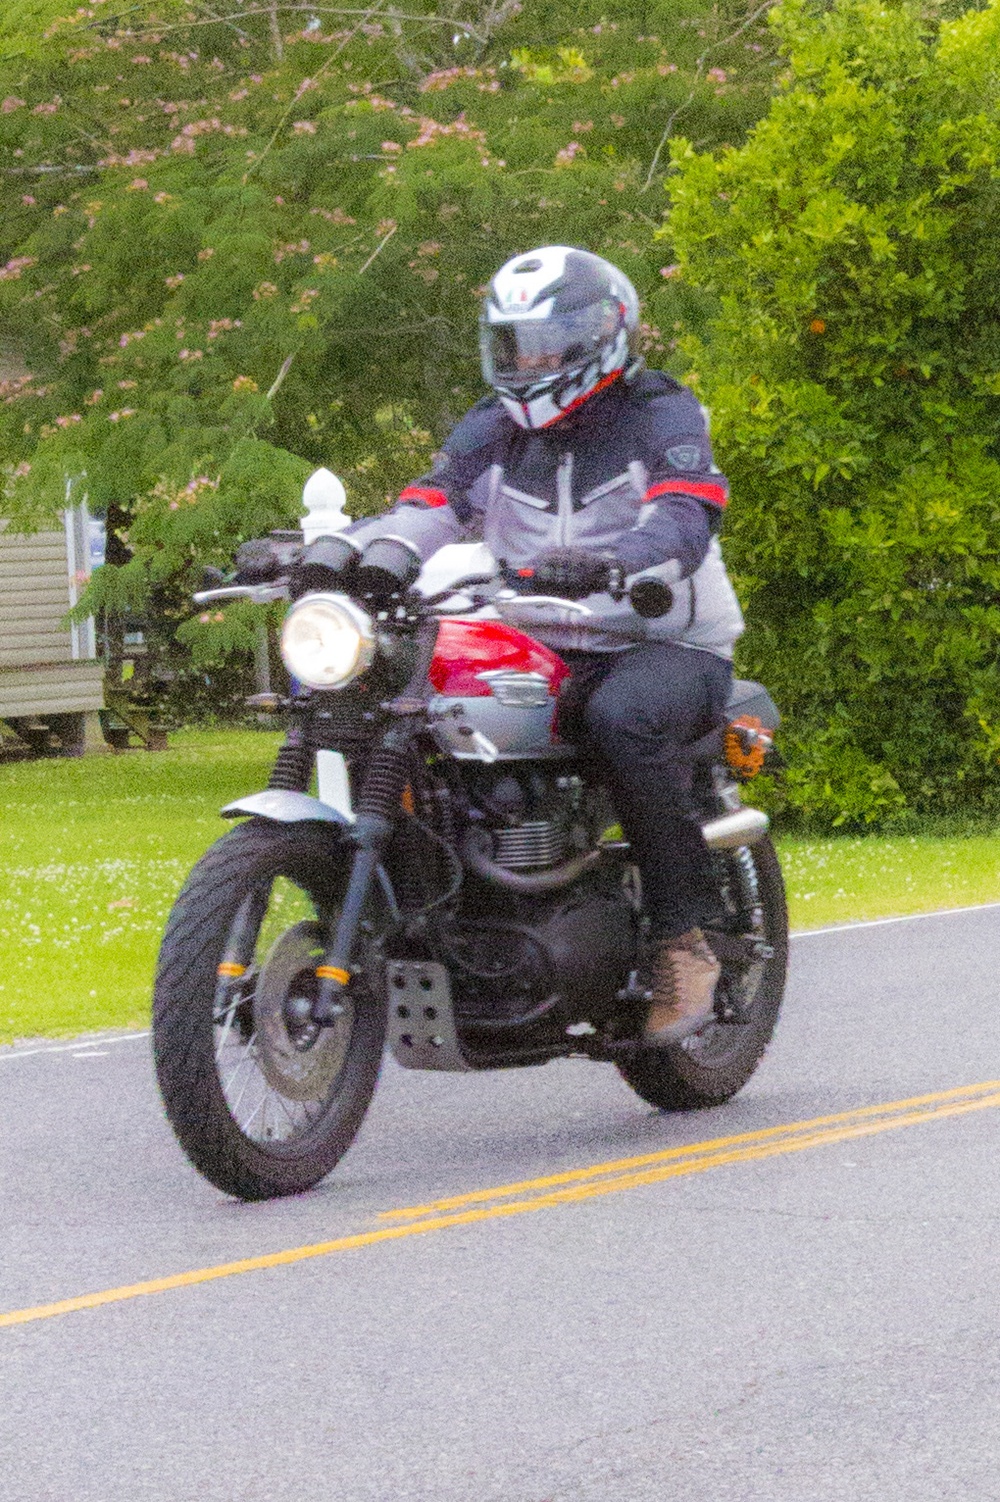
x,y
326,641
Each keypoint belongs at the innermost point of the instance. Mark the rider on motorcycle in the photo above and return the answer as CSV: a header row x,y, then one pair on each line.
x,y
582,470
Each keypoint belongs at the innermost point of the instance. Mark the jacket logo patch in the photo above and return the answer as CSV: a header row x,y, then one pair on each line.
x,y
685,456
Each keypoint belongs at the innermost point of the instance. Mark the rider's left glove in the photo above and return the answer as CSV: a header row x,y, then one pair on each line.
x,y
572,573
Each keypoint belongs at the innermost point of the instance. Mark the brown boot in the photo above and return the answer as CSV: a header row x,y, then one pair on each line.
x,y
685,973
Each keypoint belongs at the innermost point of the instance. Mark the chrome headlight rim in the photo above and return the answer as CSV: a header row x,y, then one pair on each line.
x,y
334,612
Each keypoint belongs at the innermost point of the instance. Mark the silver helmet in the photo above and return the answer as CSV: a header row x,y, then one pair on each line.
x,y
557,325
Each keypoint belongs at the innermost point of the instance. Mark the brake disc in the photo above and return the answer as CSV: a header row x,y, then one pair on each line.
x,y
296,1058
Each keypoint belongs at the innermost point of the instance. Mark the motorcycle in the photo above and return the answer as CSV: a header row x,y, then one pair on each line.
x,y
456,888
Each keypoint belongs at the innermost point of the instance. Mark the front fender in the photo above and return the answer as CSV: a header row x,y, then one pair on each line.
x,y
285,808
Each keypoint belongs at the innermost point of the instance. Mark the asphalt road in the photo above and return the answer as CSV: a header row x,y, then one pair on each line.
x,y
748,1323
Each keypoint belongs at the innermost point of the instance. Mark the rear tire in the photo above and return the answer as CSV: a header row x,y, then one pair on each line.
x,y
714,1064
317,1092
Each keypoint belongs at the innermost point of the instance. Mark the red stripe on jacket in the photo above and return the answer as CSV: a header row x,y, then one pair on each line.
x,y
704,490
425,493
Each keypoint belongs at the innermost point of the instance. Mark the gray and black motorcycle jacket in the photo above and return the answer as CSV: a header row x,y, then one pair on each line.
x,y
631,474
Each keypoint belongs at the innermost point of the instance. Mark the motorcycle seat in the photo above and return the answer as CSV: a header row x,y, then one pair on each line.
x,y
749,698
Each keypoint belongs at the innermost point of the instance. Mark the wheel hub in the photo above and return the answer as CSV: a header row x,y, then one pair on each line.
x,y
297,1059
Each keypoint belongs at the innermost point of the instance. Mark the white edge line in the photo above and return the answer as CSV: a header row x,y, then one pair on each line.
x,y
801,933
941,912
75,1047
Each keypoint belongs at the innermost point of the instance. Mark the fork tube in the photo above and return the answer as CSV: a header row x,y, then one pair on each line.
x,y
334,973
378,810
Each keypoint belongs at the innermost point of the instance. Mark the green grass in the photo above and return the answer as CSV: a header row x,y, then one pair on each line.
x,y
95,852
845,879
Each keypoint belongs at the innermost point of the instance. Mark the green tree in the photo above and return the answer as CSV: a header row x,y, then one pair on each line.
x,y
853,369
240,247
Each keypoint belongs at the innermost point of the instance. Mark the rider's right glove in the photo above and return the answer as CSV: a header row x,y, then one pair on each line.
x,y
329,563
256,562
573,573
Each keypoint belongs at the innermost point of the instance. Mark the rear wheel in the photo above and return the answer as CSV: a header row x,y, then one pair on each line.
x,y
713,1064
263,1102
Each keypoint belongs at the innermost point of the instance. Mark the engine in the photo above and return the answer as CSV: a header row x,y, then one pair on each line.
x,y
518,949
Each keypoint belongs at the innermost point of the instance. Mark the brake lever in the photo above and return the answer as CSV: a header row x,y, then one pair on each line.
x,y
259,594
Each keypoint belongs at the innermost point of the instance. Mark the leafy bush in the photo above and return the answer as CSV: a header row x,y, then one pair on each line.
x,y
853,371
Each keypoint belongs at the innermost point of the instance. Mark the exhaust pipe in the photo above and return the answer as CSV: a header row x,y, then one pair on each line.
x,y
745,827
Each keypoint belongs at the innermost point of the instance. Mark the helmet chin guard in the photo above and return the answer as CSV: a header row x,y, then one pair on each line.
x,y
558,325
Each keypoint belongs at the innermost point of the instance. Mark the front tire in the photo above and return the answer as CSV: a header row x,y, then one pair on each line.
x,y
712,1065
262,1102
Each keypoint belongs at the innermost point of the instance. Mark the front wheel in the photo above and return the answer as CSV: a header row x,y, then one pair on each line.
x,y
712,1065
263,1101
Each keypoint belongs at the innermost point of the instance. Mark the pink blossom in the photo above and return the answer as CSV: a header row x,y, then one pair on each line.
x,y
245,383
206,254
304,128
28,201
120,416
191,354
717,75
664,68
10,104
137,185
22,469
93,398
173,282
238,94
50,108
391,146
12,271
564,157
334,216
670,271
127,385
65,422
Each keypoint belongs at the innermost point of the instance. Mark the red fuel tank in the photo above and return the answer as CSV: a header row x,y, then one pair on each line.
x,y
468,648
493,680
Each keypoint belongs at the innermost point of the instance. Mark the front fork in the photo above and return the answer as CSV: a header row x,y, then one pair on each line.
x,y
378,810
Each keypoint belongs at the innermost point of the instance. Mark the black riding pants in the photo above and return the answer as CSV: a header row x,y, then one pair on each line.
x,y
636,711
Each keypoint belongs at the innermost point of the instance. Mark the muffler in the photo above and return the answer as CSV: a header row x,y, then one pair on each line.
x,y
745,827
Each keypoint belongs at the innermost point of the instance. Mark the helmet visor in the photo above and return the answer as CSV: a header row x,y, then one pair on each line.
x,y
523,352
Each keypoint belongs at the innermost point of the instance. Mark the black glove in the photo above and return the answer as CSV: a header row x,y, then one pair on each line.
x,y
388,567
328,563
572,573
262,560
256,562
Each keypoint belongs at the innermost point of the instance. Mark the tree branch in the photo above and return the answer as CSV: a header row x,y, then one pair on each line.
x,y
699,67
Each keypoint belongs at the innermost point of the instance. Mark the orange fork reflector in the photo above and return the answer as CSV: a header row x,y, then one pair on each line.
x,y
332,972
228,968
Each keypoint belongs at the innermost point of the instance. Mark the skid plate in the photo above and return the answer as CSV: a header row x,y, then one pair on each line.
x,y
422,1033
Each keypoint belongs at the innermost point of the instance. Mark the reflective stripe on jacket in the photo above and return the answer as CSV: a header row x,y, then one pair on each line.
x,y
631,474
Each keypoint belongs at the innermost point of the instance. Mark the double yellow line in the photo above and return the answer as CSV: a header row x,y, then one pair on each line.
x,y
567,1188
